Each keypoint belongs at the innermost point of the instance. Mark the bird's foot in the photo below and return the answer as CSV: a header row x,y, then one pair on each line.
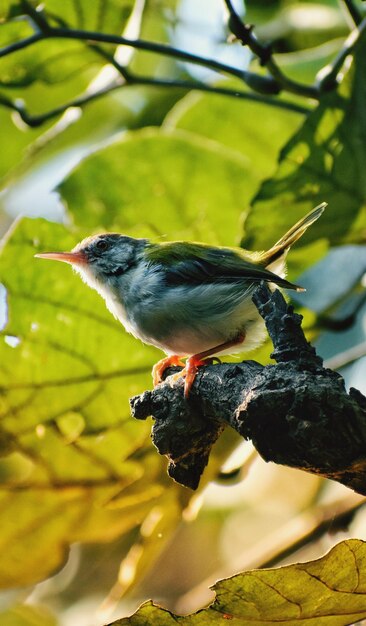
x,y
190,371
160,367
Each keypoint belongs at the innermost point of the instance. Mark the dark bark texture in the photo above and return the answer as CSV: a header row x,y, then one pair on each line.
x,y
295,412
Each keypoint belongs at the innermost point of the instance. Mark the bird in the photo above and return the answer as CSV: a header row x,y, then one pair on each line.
x,y
191,300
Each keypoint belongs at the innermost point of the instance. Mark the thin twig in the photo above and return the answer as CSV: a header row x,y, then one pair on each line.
x,y
264,86
244,95
34,121
21,44
353,11
244,33
259,83
327,77
123,71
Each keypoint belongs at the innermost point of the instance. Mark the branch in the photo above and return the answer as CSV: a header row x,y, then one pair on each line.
x,y
353,10
296,412
327,77
244,33
264,86
35,121
21,44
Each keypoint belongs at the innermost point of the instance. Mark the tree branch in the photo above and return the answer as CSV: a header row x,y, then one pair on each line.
x,y
244,33
264,86
353,11
327,77
35,121
296,412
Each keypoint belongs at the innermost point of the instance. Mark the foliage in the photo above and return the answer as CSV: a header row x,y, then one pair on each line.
x,y
326,158
105,116
332,587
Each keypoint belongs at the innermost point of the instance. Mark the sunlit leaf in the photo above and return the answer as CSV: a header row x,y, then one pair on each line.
x,y
26,615
324,161
67,370
291,24
249,128
56,61
171,184
330,590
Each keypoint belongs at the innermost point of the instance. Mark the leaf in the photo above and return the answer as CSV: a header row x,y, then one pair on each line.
x,y
56,62
330,590
101,15
291,25
68,445
10,9
26,615
99,120
324,161
169,184
232,123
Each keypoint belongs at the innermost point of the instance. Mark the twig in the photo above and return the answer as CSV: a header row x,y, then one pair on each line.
x,y
21,44
244,33
327,76
264,86
35,121
353,11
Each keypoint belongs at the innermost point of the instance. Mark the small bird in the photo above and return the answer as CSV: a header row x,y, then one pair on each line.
x,y
190,300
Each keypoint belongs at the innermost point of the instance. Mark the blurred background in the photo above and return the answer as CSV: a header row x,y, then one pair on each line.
x,y
183,134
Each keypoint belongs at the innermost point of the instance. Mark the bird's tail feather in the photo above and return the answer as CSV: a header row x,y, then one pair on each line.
x,y
282,245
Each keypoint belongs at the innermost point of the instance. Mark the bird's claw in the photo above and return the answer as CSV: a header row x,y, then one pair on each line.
x,y
189,371
162,365
193,363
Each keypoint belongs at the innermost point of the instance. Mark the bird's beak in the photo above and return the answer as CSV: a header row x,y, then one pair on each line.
x,y
74,258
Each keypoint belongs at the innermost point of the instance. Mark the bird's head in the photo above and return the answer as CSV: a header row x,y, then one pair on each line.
x,y
101,257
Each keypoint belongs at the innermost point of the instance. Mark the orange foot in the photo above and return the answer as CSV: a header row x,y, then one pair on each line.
x,y
197,360
160,367
191,369
192,364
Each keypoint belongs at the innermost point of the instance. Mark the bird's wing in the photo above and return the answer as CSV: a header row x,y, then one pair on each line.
x,y
193,263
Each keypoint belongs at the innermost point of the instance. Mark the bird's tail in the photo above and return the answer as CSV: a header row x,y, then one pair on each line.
x,y
277,254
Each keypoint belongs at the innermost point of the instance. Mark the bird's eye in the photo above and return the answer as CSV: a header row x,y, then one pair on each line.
x,y
101,245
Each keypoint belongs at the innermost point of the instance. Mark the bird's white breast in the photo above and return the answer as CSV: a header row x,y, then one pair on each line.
x,y
114,302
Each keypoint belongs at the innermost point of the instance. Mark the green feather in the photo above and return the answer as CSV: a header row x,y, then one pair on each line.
x,y
187,263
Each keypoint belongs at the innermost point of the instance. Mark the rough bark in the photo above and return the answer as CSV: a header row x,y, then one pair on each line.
x,y
296,412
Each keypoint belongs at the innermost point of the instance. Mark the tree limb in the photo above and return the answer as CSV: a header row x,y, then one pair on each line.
x,y
244,33
296,413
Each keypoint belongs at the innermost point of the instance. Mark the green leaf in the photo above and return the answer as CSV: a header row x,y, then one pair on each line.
x,y
69,446
250,128
135,106
169,184
292,24
324,161
100,15
11,8
330,590
67,64
26,615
